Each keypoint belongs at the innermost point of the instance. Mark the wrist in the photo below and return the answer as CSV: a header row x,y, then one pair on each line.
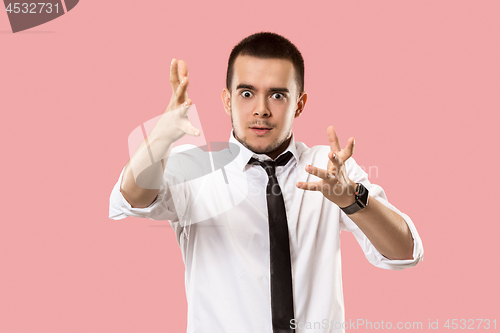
x,y
348,197
159,141
360,200
159,145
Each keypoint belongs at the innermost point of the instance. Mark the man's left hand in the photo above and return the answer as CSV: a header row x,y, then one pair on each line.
x,y
334,184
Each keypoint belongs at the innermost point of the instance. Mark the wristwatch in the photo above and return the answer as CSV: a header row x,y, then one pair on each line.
x,y
361,195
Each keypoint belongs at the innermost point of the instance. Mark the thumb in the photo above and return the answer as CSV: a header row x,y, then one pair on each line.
x,y
348,151
190,129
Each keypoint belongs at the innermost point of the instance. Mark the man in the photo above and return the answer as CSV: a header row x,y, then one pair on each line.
x,y
261,239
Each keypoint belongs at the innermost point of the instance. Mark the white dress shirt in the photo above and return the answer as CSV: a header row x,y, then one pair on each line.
x,y
220,221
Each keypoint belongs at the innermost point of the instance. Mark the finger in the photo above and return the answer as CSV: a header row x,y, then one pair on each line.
x,y
309,186
334,158
321,173
333,139
186,125
347,152
181,93
186,106
178,104
183,69
174,75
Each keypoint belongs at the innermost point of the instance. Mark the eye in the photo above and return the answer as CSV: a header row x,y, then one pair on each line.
x,y
246,94
278,96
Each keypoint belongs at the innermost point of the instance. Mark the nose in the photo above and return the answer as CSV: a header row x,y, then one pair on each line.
x,y
262,108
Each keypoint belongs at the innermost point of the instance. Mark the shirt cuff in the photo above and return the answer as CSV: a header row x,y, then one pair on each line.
x,y
119,208
418,250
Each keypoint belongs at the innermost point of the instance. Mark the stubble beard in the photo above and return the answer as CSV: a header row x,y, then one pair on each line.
x,y
269,149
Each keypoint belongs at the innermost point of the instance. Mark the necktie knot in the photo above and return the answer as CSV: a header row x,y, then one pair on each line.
x,y
270,166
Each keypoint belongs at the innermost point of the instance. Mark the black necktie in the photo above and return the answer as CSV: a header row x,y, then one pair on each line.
x,y
281,268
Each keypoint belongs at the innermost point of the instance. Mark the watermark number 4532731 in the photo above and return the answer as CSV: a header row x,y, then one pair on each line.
x,y
28,14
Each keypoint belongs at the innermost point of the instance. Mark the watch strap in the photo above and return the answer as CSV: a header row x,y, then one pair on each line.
x,y
361,196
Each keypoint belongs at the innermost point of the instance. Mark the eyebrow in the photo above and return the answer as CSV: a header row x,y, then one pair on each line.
x,y
250,87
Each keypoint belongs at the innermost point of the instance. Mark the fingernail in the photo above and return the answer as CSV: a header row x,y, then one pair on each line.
x,y
353,141
182,82
196,133
172,62
308,168
333,156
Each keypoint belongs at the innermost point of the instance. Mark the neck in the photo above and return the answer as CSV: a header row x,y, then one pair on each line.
x,y
275,153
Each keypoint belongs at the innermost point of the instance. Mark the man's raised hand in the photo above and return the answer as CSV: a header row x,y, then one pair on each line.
x,y
143,175
334,182
174,123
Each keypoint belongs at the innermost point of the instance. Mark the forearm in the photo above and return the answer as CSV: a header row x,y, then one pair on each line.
x,y
385,229
143,174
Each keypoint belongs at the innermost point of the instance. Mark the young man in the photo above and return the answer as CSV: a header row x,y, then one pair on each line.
x,y
260,236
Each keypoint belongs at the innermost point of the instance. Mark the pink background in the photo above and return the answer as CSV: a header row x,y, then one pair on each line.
x,y
417,83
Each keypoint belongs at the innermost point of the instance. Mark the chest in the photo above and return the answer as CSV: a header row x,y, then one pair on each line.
x,y
229,207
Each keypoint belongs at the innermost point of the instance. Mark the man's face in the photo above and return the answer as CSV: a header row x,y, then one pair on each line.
x,y
263,102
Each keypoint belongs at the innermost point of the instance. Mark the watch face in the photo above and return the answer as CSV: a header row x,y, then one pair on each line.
x,y
362,194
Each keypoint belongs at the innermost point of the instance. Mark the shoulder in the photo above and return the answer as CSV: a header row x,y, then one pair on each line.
x,y
190,161
186,162
314,154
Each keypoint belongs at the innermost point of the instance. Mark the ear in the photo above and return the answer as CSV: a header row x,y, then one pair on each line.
x,y
301,103
226,100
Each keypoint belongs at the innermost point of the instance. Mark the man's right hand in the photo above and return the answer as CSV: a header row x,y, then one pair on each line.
x,y
174,123
171,126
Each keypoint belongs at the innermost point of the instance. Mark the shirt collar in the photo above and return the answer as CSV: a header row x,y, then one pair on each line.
x,y
245,154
